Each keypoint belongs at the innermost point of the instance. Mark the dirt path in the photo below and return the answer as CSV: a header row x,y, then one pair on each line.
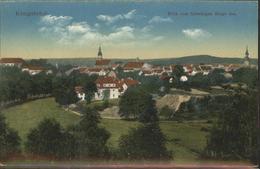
x,y
74,112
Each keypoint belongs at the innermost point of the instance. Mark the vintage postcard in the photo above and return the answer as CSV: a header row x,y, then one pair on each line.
x,y
129,84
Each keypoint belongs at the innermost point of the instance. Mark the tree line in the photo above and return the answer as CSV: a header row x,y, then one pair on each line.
x,y
16,85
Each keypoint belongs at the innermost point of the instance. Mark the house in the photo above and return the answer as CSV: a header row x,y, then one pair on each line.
x,y
128,82
112,74
80,92
184,79
97,71
33,70
232,67
146,73
12,62
112,88
107,88
94,71
188,68
167,69
206,69
133,66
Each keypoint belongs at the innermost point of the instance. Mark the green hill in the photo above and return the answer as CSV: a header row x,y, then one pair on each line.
x,y
196,59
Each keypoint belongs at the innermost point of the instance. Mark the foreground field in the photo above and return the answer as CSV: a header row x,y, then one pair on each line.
x,y
186,139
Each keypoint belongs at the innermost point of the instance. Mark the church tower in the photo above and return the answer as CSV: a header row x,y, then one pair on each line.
x,y
246,59
100,55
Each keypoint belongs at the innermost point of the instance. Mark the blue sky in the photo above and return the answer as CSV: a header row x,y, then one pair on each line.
x,y
128,29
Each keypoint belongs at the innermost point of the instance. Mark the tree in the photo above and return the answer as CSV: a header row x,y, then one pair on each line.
x,y
178,71
9,140
145,142
90,137
216,77
51,140
246,75
137,104
63,90
90,89
234,135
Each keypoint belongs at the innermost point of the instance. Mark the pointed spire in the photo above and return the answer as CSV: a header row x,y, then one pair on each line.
x,y
100,55
247,53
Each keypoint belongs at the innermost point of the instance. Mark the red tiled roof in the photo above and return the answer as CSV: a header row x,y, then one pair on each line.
x,y
130,82
117,83
107,80
133,65
11,60
31,67
102,62
94,69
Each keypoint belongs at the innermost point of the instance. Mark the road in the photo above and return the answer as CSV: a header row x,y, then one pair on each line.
x,y
128,166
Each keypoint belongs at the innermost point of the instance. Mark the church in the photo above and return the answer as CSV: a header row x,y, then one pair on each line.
x,y
247,59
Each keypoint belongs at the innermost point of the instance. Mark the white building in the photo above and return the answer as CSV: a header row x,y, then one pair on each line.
x,y
112,88
33,70
12,62
80,93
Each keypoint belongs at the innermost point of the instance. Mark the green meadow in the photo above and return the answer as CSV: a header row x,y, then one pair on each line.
x,y
185,140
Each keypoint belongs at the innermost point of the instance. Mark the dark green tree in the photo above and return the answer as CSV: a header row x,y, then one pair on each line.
x,y
91,138
247,76
9,140
51,140
145,142
234,135
63,90
90,89
137,104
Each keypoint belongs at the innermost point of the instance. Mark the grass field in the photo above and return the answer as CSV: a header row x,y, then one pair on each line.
x,y
28,115
185,139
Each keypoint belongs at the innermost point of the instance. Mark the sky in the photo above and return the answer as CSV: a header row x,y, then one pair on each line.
x,y
128,29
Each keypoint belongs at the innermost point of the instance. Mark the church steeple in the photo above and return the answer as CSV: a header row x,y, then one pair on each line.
x,y
246,59
100,55
246,53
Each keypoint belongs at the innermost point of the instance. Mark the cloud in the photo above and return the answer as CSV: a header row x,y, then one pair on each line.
x,y
111,19
196,33
65,31
158,19
147,28
60,20
80,27
122,33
